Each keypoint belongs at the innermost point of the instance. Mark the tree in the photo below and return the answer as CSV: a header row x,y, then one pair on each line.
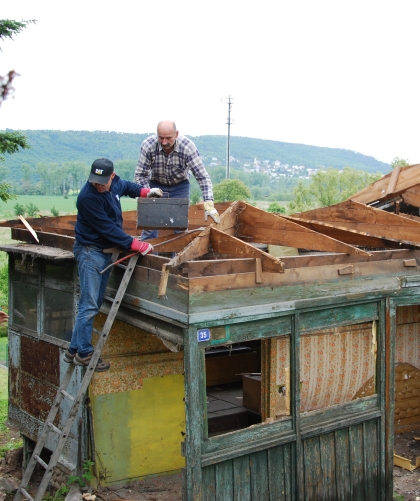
x,y
10,142
8,28
229,190
399,162
330,187
276,208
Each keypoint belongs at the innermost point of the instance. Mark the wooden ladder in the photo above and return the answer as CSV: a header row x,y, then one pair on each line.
x,y
77,401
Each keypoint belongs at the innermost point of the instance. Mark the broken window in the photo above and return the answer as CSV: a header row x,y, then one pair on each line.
x,y
337,365
233,386
58,313
24,305
407,387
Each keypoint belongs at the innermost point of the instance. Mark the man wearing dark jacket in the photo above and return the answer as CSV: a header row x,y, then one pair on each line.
x,y
98,227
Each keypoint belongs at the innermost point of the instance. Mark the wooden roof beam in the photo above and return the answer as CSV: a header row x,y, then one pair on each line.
x,y
274,229
366,220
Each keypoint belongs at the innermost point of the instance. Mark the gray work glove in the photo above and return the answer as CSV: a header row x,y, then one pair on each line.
x,y
155,192
209,210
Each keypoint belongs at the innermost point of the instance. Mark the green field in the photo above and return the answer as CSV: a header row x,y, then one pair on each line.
x,y
46,203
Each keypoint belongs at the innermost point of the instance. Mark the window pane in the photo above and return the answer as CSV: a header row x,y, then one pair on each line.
x,y
25,305
58,314
337,365
233,387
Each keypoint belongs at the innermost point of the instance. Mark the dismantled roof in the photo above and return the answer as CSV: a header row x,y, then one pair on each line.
x,y
355,228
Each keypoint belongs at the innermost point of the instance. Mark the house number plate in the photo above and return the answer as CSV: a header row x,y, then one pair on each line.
x,y
203,335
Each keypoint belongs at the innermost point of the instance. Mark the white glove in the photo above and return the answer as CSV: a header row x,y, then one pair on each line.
x,y
209,210
155,192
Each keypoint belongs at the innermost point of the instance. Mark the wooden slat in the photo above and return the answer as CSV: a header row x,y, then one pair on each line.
x,y
356,462
393,180
241,479
259,476
351,237
328,467
224,481
49,239
295,276
218,267
229,245
367,220
208,488
342,463
408,178
311,466
270,228
412,196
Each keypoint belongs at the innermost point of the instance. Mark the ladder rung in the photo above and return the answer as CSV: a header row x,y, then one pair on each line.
x,y
67,395
41,462
54,428
26,494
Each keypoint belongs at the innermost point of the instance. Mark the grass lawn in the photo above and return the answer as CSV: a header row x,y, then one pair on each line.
x,y
3,349
45,204
9,439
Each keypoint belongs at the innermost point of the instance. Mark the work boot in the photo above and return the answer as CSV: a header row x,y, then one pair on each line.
x,y
69,357
85,361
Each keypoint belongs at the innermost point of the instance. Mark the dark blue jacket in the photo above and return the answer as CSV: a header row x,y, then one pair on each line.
x,y
99,216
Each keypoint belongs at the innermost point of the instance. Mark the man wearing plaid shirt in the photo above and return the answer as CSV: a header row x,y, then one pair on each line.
x,y
166,161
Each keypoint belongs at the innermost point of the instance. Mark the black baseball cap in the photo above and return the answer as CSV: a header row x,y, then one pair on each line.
x,y
101,171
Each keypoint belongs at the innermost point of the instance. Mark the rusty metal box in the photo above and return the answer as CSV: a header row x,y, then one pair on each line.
x,y
162,213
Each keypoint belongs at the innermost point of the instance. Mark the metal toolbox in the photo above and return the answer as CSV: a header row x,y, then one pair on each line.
x,y
167,213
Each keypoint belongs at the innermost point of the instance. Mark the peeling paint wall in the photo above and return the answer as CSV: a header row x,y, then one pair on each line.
x,y
138,406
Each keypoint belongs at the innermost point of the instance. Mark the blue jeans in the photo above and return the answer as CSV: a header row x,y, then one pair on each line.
x,y
180,190
89,260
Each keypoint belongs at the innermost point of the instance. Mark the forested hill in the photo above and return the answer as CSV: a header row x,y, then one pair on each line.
x,y
49,146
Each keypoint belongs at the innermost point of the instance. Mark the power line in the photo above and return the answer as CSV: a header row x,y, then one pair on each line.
x,y
229,122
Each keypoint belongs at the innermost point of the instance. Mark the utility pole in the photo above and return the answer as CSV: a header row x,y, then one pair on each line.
x,y
229,122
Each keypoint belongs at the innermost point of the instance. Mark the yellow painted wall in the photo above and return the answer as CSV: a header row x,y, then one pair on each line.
x,y
138,407
139,433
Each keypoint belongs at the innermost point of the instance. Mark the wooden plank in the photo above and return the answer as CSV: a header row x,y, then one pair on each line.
x,y
348,314
342,465
393,180
218,267
259,475
227,244
224,481
208,489
356,462
258,271
328,466
274,229
367,220
346,270
371,458
412,196
276,473
241,479
311,469
348,236
329,259
48,239
312,275
408,178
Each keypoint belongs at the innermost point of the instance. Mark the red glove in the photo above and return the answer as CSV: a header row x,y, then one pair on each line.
x,y
142,247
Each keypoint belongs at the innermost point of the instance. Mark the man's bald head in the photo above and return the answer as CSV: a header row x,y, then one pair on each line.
x,y
167,134
166,125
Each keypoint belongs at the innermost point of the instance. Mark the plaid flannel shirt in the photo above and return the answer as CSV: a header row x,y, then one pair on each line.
x,y
154,164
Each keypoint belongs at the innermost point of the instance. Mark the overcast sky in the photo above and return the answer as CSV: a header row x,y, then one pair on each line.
x,y
333,73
